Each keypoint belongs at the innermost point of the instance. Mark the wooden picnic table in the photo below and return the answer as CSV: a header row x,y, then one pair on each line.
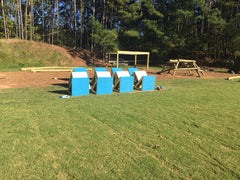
x,y
183,65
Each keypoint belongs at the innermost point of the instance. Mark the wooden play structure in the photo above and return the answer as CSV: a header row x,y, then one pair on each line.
x,y
134,53
183,65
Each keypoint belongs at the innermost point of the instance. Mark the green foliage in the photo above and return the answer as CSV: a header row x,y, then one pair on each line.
x,y
132,33
1,35
152,25
196,126
131,12
1,29
106,39
149,6
215,19
184,14
185,27
237,53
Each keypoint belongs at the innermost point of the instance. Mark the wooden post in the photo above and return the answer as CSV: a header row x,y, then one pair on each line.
x,y
135,60
148,61
117,58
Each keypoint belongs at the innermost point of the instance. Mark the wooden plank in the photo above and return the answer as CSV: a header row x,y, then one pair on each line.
x,y
45,70
186,60
117,60
181,60
135,63
173,61
186,69
133,52
30,68
130,52
234,77
148,61
48,68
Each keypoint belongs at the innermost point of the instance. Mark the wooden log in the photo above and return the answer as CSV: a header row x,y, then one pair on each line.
x,y
181,60
234,77
129,52
30,68
45,70
48,68
187,60
187,69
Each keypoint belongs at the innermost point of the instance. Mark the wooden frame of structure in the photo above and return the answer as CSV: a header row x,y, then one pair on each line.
x,y
174,63
129,53
192,63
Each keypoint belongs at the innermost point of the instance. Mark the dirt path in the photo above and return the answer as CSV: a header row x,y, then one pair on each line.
x,y
42,79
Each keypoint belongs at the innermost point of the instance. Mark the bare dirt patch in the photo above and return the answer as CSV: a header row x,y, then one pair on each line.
x,y
43,79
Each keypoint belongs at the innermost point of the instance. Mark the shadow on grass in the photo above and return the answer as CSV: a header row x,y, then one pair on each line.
x,y
62,92
65,85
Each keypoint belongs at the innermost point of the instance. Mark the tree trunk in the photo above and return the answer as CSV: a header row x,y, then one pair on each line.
x,y
49,22
53,20
43,27
57,22
70,16
21,19
92,42
32,19
30,16
111,21
26,19
75,28
103,25
4,20
15,21
202,26
103,14
65,23
81,20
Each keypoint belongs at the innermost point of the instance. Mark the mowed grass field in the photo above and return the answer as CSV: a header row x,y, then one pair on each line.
x,y
191,132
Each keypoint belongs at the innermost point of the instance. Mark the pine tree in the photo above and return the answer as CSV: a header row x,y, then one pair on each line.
x,y
4,20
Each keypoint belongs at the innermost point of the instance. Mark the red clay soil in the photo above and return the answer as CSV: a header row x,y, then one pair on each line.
x,y
42,79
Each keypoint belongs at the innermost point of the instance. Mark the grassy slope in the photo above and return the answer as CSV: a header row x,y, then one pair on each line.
x,y
20,53
113,136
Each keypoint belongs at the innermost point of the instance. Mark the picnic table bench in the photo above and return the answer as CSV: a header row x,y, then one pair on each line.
x,y
186,65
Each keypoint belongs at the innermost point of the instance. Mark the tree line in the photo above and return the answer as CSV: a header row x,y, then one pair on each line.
x,y
196,29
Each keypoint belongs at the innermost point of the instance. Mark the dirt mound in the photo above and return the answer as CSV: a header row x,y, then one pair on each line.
x,y
78,58
81,57
24,53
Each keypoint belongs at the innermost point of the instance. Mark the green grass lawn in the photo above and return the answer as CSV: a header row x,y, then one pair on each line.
x,y
196,126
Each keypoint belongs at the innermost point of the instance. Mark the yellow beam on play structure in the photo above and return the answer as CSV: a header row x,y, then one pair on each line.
x,y
130,53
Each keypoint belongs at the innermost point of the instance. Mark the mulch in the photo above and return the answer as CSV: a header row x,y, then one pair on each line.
x,y
21,79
